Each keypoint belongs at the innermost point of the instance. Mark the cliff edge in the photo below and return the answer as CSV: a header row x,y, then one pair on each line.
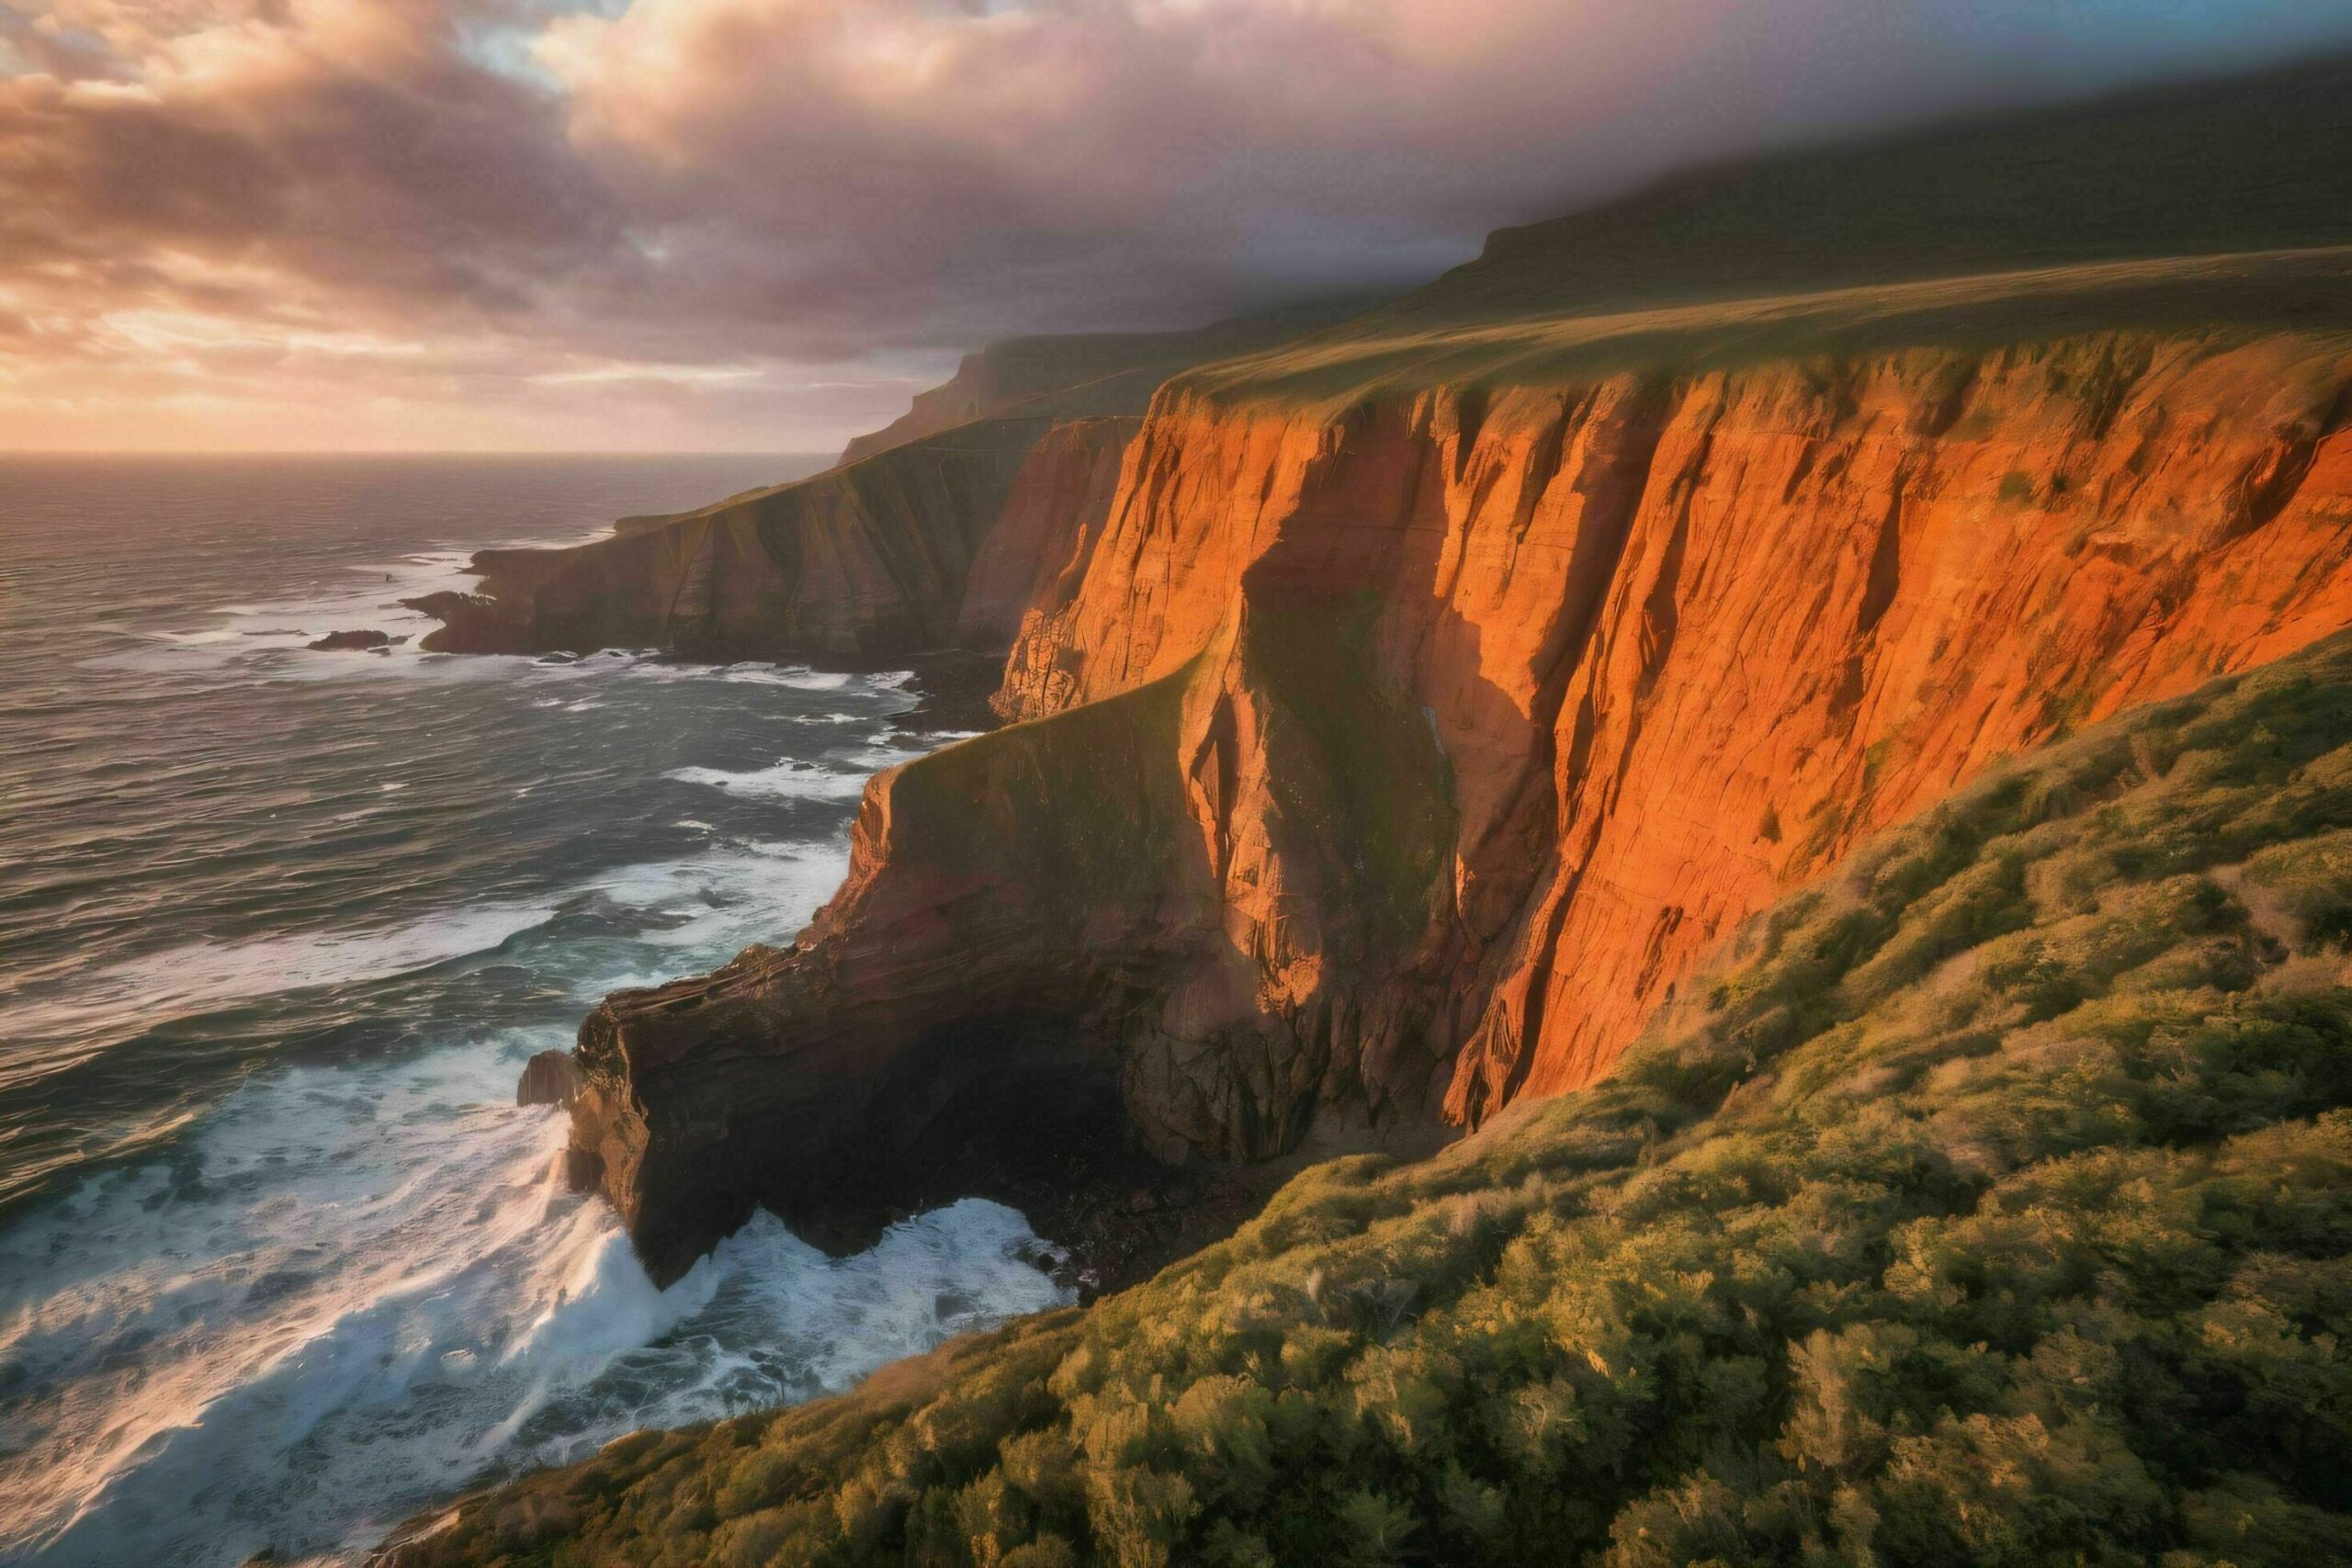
x,y
1431,691
1399,750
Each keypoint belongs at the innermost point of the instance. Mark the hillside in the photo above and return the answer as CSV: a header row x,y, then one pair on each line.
x,y
2228,165
1083,375
1988,1202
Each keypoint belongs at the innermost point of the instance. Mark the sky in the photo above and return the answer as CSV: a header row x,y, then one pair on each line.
x,y
704,225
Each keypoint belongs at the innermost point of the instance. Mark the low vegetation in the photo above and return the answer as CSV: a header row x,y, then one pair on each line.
x,y
1989,1204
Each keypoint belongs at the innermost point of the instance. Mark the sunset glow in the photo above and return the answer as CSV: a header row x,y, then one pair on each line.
x,y
698,224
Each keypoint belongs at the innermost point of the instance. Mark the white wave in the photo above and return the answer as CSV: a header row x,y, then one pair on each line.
x,y
789,780
123,999
838,774
799,680
271,639
368,1290
702,910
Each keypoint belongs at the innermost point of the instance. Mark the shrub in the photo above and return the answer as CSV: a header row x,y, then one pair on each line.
x,y
1994,1207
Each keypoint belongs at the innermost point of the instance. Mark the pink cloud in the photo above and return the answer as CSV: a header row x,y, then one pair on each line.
x,y
555,215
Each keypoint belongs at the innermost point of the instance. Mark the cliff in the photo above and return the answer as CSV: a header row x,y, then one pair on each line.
x,y
1989,1202
864,562
935,534
1411,732
1683,630
1084,375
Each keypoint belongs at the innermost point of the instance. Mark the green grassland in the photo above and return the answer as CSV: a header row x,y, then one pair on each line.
x,y
1988,1202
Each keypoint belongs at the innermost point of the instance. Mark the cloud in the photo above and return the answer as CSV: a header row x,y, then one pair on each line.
x,y
555,220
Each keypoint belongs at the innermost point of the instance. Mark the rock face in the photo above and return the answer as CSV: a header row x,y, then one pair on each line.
x,y
1395,754
1046,532
1682,639
859,564
549,1077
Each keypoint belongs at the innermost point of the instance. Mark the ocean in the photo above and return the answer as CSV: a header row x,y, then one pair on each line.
x,y
281,1262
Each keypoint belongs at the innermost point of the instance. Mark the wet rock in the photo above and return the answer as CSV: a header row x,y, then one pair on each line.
x,y
549,1078
366,640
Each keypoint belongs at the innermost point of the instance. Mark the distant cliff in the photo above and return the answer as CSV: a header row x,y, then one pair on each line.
x,y
1085,375
864,562
898,550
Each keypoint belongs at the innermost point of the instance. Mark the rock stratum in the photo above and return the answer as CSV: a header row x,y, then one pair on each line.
x,y
1403,710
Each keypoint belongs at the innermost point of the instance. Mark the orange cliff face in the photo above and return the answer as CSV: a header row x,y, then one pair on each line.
x,y
1044,535
1681,640
1393,756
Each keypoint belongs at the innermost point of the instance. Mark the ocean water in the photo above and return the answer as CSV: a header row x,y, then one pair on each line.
x,y
280,1260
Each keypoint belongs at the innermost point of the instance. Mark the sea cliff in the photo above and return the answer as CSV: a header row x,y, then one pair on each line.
x,y
1399,746
862,563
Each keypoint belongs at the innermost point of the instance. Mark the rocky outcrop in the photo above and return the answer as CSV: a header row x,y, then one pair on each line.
x,y
1395,754
549,1077
1682,638
862,563
941,1023
358,641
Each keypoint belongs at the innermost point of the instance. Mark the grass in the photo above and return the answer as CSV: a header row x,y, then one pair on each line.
x,y
2222,207
1989,1203
2221,300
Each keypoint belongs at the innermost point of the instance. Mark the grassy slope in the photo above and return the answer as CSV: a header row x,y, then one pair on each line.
x,y
1085,375
2219,300
2022,226
1990,1202
2233,164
